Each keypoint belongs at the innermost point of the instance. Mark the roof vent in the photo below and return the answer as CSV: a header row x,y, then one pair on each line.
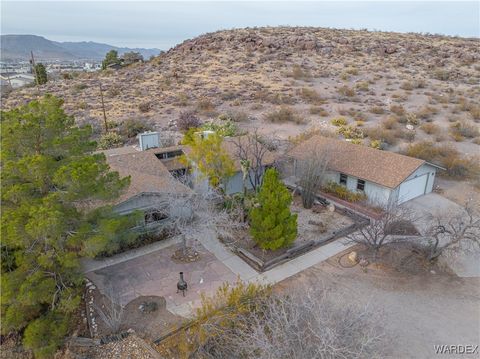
x,y
148,140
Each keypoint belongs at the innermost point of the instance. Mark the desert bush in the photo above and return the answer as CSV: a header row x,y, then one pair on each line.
x,y
350,132
188,120
407,86
145,106
362,86
430,128
426,113
397,109
311,96
310,133
225,128
457,166
475,112
204,105
343,192
351,70
461,129
377,110
249,321
376,144
182,99
110,140
390,123
412,119
235,116
339,121
133,126
298,73
113,91
284,114
441,74
359,123
381,134
346,91
316,110
79,87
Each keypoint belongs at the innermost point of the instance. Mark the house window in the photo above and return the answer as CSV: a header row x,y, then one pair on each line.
x,y
343,179
360,185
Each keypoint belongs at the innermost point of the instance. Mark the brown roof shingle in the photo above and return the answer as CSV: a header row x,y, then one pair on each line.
x,y
147,173
385,168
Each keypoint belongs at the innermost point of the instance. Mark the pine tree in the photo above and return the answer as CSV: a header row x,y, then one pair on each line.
x,y
111,58
50,176
272,225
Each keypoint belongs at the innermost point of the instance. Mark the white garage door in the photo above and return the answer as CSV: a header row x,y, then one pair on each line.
x,y
412,188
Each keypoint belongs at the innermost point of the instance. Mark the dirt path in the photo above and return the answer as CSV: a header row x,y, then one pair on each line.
x,y
420,311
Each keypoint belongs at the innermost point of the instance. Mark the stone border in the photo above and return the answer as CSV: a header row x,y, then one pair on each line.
x,y
262,266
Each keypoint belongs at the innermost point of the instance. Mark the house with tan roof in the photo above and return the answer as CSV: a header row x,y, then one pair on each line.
x,y
385,177
156,172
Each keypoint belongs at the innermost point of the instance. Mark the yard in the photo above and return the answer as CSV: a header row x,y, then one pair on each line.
x,y
313,225
417,311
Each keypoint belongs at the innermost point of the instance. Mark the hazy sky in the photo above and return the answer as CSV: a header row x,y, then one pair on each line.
x,y
164,24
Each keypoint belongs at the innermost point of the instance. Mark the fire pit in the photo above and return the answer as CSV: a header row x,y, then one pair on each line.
x,y
182,285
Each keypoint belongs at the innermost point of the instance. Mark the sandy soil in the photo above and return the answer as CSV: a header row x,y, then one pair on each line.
x,y
419,311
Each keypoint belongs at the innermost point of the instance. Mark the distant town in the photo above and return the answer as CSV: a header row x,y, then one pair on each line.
x,y
19,74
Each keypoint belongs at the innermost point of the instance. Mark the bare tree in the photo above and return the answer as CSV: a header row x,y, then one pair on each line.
x,y
303,324
383,230
311,174
251,152
111,312
192,214
459,231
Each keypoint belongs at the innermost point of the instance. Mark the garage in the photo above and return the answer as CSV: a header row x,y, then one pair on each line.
x,y
412,188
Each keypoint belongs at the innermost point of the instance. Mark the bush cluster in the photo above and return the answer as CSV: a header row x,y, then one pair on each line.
x,y
284,114
343,192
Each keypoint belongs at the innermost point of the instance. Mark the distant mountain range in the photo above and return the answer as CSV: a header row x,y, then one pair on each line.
x,y
18,47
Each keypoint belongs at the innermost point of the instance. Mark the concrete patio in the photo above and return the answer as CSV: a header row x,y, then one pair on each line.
x,y
151,271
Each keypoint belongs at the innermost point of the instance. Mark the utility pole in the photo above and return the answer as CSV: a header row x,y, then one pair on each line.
x,y
34,70
103,108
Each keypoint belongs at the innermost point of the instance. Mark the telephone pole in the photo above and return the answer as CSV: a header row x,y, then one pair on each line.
x,y
103,108
34,70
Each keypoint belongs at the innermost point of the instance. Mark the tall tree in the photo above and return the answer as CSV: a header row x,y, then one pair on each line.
x,y
40,74
207,155
111,58
272,225
50,179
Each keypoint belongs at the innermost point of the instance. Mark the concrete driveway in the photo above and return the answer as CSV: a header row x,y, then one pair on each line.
x,y
433,204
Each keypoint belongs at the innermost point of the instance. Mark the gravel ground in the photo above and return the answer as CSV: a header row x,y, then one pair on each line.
x,y
420,311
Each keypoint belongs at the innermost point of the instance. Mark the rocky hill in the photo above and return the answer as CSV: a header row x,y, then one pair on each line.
x,y
18,47
288,80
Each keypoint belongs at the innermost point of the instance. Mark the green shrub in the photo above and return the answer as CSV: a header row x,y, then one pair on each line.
x,y
272,225
376,144
110,140
225,128
350,132
339,121
343,192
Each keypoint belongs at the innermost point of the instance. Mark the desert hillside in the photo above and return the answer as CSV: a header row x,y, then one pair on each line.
x,y
387,87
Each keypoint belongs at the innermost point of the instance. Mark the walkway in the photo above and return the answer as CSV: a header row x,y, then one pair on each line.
x,y
280,272
150,271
